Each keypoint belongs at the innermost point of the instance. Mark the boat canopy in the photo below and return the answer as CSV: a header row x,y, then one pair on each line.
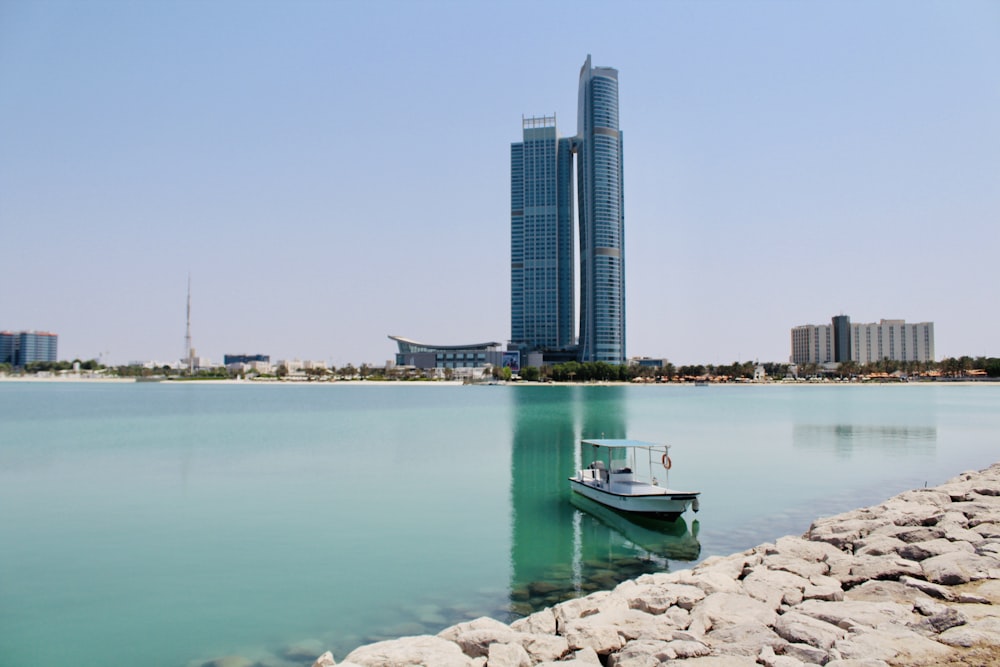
x,y
624,442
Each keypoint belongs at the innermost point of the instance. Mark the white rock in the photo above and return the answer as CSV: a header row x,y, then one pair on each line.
x,y
890,643
922,550
878,545
807,654
802,568
481,623
579,608
867,568
714,661
799,628
853,613
629,623
712,581
689,649
540,622
955,568
720,610
325,660
604,639
841,533
642,653
657,599
985,632
542,647
817,552
508,655
411,651
744,639
772,587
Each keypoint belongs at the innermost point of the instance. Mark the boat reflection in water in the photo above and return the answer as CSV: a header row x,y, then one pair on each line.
x,y
671,540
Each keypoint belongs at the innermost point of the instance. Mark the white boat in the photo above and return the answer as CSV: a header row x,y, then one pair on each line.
x,y
625,476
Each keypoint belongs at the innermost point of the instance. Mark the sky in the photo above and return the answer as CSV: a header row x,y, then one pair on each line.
x,y
330,173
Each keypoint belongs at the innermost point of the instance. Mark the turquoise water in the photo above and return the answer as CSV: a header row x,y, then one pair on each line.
x,y
175,523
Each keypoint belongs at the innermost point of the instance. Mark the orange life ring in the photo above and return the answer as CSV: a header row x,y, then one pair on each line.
x,y
667,463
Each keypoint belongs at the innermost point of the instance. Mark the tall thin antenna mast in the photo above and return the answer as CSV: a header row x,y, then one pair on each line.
x,y
187,336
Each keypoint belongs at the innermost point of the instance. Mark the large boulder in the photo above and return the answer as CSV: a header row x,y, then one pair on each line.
x,y
475,637
799,628
867,568
775,587
891,643
658,598
851,613
508,655
583,633
642,653
923,550
985,631
745,639
541,622
720,610
422,651
959,567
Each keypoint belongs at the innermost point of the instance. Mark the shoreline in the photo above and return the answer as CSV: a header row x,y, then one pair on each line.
x,y
81,379
914,581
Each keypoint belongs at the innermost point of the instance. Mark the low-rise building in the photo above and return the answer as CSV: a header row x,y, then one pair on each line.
x,y
425,356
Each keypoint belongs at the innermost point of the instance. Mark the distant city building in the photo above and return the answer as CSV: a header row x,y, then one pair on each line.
x,y
542,298
245,358
425,356
841,338
21,348
841,341
649,362
195,363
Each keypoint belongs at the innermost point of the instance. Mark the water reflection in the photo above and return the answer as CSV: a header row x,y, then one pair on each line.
x,y
563,547
844,439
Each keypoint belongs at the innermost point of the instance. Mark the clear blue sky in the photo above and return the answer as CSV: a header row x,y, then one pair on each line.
x,y
333,172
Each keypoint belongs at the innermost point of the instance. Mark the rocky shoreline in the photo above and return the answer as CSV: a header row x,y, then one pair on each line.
x,y
912,581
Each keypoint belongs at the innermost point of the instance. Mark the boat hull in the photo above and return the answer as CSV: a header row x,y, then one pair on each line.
x,y
668,506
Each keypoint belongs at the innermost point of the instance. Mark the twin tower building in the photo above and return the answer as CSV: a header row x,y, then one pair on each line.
x,y
542,264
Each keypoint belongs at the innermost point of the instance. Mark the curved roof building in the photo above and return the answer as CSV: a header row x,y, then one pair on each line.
x,y
425,355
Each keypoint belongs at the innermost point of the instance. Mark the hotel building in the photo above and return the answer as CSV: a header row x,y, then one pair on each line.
x,y
23,347
840,341
542,294
542,307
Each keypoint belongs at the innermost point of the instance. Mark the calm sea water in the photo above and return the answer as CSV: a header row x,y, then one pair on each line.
x,y
170,524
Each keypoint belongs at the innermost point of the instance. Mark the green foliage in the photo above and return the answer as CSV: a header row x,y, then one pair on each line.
x,y
591,371
530,373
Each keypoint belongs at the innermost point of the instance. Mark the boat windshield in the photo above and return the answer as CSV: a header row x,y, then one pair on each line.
x,y
621,457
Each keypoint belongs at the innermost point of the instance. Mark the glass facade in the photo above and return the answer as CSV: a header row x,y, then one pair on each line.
x,y
23,347
602,220
542,307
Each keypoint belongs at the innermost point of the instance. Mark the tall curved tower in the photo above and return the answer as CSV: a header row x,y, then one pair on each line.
x,y
602,220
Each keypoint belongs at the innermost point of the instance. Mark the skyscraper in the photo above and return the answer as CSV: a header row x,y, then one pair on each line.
x,y
542,254
602,220
541,229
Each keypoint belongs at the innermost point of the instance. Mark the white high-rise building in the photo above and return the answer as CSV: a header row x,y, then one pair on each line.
x,y
894,340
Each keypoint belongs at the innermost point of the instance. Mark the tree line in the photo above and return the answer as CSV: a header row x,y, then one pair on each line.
x,y
572,371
